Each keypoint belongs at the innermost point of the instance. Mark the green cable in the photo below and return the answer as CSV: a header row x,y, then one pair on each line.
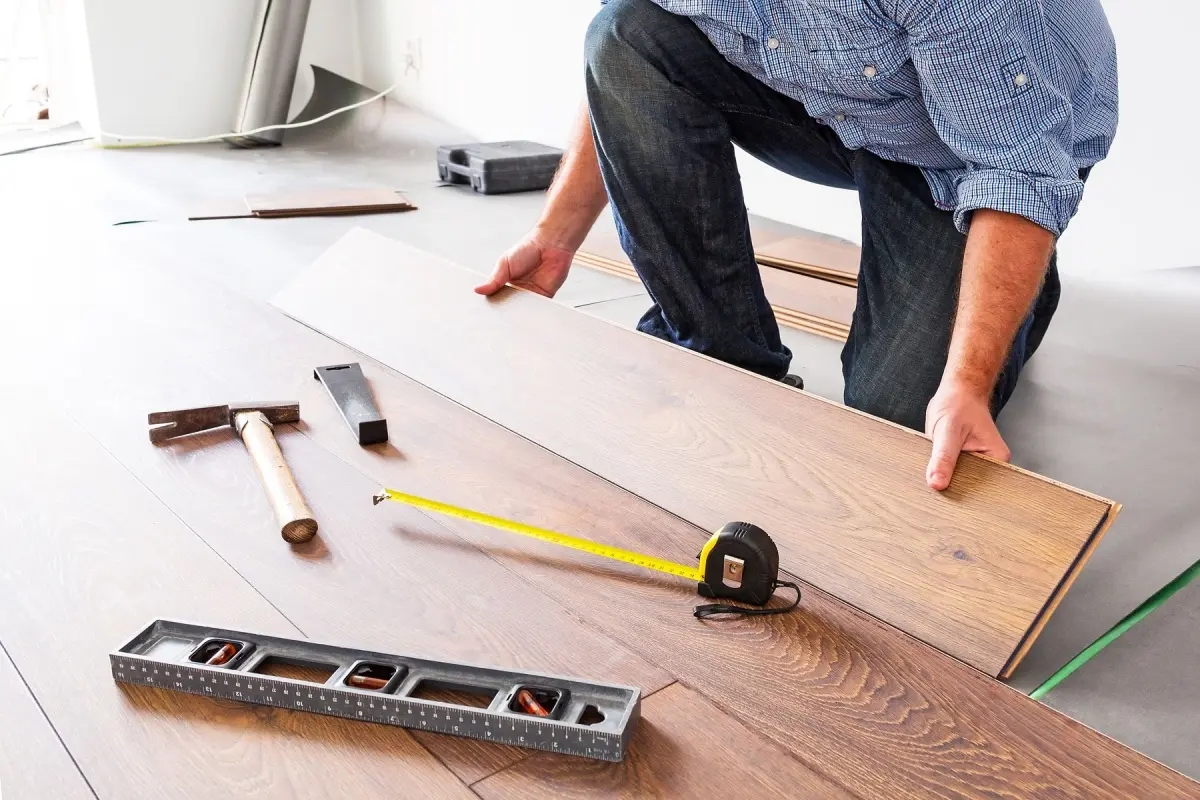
x,y
1137,615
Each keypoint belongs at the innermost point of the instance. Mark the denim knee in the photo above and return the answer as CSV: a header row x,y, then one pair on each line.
x,y
621,31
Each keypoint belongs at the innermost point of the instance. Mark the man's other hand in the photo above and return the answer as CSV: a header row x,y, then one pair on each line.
x,y
533,264
959,420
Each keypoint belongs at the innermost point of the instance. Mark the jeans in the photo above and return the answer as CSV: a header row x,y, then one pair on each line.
x,y
666,110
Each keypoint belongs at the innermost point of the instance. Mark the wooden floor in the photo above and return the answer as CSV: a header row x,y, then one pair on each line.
x,y
102,531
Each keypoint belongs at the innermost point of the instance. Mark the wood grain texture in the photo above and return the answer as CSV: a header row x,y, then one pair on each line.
x,y
684,747
33,762
89,556
882,713
969,570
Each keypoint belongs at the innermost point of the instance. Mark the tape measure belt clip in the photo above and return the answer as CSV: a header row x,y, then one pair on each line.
x,y
741,564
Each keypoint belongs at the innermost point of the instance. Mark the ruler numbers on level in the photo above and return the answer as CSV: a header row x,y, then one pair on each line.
x,y
403,712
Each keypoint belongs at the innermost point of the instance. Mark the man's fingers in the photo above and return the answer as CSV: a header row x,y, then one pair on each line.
x,y
947,443
500,276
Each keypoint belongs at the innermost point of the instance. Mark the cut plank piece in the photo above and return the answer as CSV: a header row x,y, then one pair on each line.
x,y
308,203
681,749
973,570
33,762
320,202
89,556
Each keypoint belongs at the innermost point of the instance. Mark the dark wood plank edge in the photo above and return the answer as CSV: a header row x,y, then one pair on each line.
x,y
1060,591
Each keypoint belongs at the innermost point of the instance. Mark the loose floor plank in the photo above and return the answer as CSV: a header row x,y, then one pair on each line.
x,y
973,570
684,747
33,762
90,555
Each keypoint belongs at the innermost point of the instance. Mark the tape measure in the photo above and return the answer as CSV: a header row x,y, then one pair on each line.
x,y
738,562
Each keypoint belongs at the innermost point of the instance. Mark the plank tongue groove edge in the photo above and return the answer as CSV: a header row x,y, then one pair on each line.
x,y
973,571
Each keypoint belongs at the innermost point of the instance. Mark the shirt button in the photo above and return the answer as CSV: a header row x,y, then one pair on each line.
x,y
1021,79
870,71
772,43
840,117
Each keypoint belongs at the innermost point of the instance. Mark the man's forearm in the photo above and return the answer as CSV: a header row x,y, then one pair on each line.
x,y
1006,258
577,196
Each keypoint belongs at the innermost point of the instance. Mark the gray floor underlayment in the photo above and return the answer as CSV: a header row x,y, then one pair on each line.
x,y
1109,404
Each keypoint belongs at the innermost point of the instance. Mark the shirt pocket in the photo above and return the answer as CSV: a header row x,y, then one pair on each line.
x,y
879,70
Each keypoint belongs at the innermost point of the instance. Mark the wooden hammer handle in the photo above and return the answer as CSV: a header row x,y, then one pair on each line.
x,y
296,521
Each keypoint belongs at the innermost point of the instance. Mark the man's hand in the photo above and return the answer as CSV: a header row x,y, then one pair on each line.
x,y
959,419
541,260
533,264
1005,260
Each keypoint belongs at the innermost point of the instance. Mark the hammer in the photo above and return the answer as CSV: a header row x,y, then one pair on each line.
x,y
254,423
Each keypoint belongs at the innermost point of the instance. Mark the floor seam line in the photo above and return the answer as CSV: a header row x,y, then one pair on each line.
x,y
49,721
184,522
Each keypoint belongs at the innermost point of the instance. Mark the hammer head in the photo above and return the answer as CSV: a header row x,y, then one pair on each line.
x,y
171,424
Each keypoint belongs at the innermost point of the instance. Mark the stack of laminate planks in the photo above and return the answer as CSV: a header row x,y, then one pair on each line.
x,y
807,276
803,251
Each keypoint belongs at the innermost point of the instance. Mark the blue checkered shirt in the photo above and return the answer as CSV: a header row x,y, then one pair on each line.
x,y
999,102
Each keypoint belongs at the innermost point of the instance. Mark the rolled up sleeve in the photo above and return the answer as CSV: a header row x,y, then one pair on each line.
x,y
991,83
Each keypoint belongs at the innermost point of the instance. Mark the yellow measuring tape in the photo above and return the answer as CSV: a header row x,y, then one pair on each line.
x,y
574,542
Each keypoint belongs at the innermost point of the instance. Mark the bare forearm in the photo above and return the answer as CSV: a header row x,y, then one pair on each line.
x,y
1006,257
577,196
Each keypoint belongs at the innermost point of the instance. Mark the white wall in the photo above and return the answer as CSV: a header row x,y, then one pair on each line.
x,y
174,67
498,69
513,69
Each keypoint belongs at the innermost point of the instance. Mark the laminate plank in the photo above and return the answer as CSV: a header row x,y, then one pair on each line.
x,y
799,249
89,556
798,301
33,762
811,296
855,699
684,747
775,243
971,570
